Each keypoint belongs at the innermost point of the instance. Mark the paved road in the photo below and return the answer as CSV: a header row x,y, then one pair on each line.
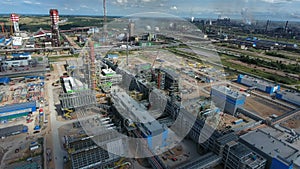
x,y
57,148
58,151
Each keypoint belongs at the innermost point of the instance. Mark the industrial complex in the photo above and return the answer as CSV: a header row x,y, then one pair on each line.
x,y
138,94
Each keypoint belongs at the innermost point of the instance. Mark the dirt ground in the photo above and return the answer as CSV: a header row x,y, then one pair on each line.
x,y
293,123
2,152
264,108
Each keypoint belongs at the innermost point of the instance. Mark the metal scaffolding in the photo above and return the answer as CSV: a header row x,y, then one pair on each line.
x,y
78,99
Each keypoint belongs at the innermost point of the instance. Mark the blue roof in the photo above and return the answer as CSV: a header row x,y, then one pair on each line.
x,y
20,54
20,106
2,40
4,80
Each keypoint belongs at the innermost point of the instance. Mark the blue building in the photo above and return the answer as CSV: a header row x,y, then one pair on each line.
x,y
227,99
289,96
261,85
12,111
4,80
279,155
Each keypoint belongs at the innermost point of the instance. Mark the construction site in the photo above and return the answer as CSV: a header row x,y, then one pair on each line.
x,y
156,96
139,92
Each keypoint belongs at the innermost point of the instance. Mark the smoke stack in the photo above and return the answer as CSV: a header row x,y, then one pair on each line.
x,y
54,27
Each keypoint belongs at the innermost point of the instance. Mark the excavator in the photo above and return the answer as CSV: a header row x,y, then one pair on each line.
x,y
120,164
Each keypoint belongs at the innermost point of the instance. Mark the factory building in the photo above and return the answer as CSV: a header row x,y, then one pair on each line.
x,y
171,79
155,133
237,155
107,79
289,96
278,154
16,110
258,83
227,99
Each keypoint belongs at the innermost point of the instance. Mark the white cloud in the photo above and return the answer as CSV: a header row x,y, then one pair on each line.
x,y
173,7
8,2
83,6
28,2
122,1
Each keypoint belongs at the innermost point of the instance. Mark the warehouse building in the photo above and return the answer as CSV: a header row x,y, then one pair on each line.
x,y
258,84
12,111
13,130
289,96
227,99
279,155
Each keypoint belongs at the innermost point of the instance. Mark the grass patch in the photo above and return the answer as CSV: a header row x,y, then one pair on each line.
x,y
58,58
260,73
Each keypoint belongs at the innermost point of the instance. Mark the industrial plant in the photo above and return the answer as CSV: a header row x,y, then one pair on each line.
x,y
148,92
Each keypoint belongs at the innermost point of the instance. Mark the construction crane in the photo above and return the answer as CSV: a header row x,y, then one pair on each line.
x,y
152,66
104,22
104,11
92,64
153,63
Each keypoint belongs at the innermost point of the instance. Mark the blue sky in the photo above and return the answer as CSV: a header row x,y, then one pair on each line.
x,y
255,9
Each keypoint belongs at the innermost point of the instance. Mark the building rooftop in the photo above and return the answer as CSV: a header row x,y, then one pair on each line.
x,y
227,91
240,150
9,130
258,81
270,145
14,107
290,92
137,113
227,138
108,72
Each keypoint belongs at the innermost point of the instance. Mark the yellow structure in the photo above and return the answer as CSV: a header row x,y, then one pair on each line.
x,y
67,113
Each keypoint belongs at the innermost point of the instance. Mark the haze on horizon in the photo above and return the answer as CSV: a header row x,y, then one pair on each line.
x,y
236,9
